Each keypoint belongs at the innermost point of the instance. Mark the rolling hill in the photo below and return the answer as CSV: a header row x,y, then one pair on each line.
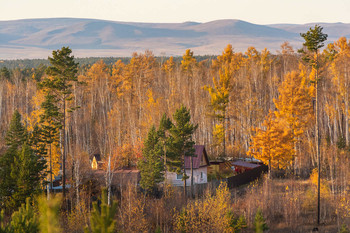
x,y
36,38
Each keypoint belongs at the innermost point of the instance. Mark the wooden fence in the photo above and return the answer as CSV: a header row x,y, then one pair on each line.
x,y
246,177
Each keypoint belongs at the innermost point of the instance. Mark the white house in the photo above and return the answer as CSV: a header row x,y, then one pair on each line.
x,y
200,165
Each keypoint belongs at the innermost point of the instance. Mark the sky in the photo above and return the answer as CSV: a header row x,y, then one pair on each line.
x,y
178,11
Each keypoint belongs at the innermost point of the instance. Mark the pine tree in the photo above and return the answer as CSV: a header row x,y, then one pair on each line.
x,y
259,222
151,166
50,121
314,41
24,220
21,170
62,74
181,143
27,171
102,218
163,133
15,137
17,134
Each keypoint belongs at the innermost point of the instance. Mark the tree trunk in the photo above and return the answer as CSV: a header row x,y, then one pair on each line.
x,y
184,178
317,145
192,177
64,150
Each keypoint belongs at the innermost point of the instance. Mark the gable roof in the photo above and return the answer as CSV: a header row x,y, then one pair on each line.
x,y
200,156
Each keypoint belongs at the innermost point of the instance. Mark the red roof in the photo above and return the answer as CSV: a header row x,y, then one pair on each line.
x,y
200,154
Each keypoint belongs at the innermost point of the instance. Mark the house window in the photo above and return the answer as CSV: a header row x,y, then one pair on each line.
x,y
179,176
201,175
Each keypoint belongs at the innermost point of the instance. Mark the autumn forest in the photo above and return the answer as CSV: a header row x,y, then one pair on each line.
x,y
289,109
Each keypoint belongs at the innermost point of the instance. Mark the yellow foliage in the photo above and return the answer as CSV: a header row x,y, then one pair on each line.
x,y
325,190
294,103
34,117
55,158
311,194
169,65
344,207
218,133
188,62
273,145
208,215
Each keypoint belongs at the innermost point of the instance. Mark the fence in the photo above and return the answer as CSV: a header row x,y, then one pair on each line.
x,y
246,177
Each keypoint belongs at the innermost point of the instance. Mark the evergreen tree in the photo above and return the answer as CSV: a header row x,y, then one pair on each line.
x,y
27,171
24,220
259,222
5,73
236,223
314,41
17,134
102,219
181,143
15,137
62,74
50,125
21,170
151,166
163,132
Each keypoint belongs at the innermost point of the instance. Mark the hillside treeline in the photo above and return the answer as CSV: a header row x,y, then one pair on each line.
x,y
119,102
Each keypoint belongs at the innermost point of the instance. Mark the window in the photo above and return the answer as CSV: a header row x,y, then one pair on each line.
x,y
179,176
201,175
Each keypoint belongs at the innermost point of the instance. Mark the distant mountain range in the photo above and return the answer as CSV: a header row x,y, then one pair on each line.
x,y
36,38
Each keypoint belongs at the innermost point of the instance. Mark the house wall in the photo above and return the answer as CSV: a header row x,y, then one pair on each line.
x,y
172,177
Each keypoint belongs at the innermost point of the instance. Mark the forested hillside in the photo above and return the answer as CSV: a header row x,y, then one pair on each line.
x,y
251,103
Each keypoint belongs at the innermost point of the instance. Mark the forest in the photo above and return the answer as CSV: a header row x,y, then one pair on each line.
x,y
289,109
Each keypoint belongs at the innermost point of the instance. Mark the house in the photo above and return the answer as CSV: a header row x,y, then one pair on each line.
x,y
200,166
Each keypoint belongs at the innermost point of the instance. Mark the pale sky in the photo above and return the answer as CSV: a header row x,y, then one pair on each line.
x,y
177,11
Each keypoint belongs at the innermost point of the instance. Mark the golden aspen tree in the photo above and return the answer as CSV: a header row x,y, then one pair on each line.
x,y
225,65
141,73
219,95
294,104
274,145
188,62
152,110
188,66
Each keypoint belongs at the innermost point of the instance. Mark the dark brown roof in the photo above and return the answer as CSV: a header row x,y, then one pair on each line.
x,y
244,164
200,153
121,177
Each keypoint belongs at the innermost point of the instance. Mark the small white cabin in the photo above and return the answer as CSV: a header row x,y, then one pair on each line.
x,y
200,165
